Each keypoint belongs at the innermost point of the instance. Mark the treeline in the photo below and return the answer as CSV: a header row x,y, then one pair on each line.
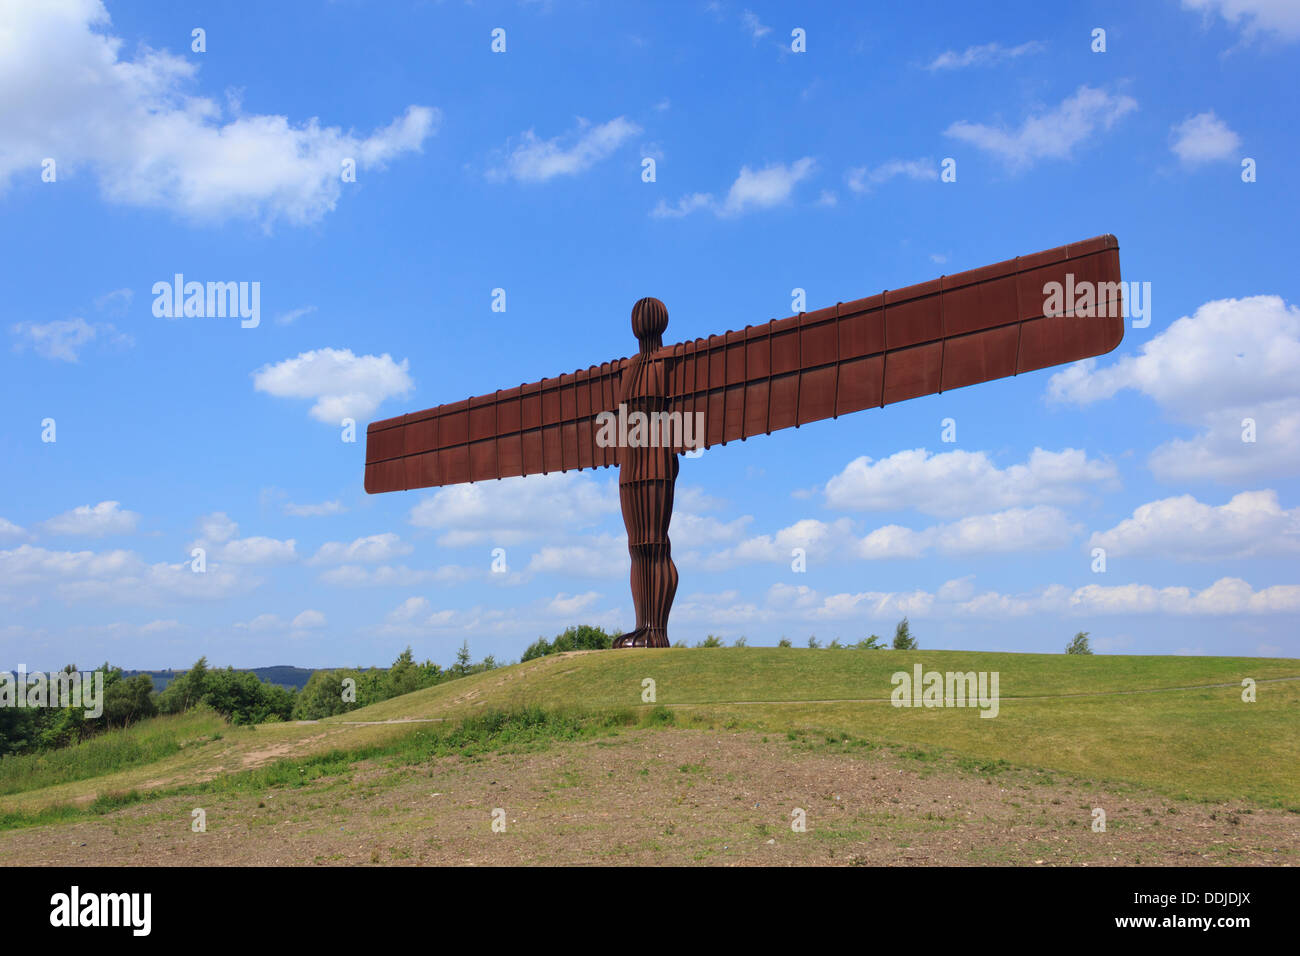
x,y
28,729
903,641
582,637
239,696
338,691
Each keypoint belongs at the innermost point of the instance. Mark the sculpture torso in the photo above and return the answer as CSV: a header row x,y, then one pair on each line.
x,y
644,389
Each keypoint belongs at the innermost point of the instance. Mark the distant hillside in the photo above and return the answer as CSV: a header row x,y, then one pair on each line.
x,y
285,675
282,674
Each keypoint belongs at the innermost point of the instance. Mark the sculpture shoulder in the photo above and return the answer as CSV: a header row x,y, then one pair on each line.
x,y
643,378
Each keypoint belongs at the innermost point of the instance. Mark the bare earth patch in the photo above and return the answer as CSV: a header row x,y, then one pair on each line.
x,y
674,797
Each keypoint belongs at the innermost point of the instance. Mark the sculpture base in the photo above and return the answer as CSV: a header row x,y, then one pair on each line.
x,y
644,637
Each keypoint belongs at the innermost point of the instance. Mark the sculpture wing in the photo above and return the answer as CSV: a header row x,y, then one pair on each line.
x,y
949,332
537,428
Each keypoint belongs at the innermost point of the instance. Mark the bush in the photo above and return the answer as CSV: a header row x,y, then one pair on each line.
x,y
1079,645
244,698
903,639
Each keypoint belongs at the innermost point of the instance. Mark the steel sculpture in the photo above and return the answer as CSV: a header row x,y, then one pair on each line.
x,y
640,413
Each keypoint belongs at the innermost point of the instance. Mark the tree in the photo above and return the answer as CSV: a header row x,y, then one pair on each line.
x,y
1079,645
835,645
784,642
579,637
127,700
405,675
872,643
903,639
185,690
739,642
710,641
462,665
539,648
244,698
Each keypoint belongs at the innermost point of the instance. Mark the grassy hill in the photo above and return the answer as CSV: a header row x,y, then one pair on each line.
x,y
1175,725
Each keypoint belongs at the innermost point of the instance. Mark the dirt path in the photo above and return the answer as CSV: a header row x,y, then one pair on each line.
x,y
674,797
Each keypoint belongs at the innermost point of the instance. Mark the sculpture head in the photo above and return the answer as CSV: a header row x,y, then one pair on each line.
x,y
649,319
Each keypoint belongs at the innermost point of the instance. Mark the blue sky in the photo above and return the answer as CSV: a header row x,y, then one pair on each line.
x,y
522,170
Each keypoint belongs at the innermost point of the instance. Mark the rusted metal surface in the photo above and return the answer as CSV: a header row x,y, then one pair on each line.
x,y
939,335
946,333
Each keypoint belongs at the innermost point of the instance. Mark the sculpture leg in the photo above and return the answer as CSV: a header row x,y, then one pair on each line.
x,y
647,512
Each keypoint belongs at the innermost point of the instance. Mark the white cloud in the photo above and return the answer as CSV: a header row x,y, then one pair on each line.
x,y
94,521
416,616
314,511
1233,359
566,605
258,550
766,187
537,160
1280,17
217,527
982,55
368,550
513,510
818,539
753,26
1252,523
217,536
70,95
598,555
1040,528
862,179
409,610
287,318
308,620
262,623
753,189
689,530
957,599
959,482
10,530
683,207
116,302
1037,528
344,385
63,339
388,576
1051,134
1203,138
30,573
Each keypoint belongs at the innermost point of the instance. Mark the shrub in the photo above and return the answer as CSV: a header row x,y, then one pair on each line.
x,y
1079,645
903,639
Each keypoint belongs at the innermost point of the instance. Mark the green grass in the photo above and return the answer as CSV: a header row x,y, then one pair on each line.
x,y
713,675
1130,723
140,744
514,731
